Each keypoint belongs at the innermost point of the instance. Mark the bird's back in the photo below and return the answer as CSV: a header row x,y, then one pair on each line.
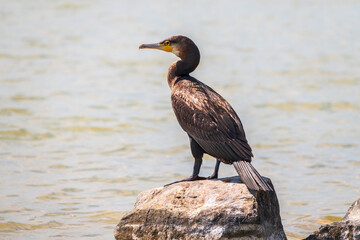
x,y
210,120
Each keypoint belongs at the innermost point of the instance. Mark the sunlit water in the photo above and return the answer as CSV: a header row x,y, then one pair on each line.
x,y
86,122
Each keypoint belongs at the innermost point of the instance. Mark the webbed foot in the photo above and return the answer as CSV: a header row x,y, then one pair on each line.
x,y
192,178
213,176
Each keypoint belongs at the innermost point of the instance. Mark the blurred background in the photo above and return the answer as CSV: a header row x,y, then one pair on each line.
x,y
86,122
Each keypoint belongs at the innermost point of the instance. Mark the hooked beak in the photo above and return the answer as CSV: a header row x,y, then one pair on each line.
x,y
158,46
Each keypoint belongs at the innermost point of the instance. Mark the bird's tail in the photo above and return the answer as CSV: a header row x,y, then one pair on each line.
x,y
251,177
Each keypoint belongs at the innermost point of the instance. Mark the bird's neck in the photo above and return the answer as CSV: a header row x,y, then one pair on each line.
x,y
182,68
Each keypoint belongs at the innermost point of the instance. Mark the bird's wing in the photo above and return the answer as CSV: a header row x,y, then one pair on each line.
x,y
211,122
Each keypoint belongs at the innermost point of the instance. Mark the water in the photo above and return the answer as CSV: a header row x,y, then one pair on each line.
x,y
86,122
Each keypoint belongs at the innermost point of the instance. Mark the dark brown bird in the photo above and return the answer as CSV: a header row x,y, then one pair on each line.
x,y
212,124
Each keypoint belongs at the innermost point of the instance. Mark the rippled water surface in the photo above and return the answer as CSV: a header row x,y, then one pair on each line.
x,y
86,122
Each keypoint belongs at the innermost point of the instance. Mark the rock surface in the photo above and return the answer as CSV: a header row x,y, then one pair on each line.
x,y
348,228
207,209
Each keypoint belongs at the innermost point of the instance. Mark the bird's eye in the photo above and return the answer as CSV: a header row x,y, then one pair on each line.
x,y
167,43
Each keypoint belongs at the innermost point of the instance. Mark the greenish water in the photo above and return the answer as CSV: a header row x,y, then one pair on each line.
x,y
86,122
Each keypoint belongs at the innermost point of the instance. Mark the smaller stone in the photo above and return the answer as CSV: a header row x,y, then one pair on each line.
x,y
347,228
203,210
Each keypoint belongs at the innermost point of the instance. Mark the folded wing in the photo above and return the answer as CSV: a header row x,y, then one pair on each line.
x,y
210,120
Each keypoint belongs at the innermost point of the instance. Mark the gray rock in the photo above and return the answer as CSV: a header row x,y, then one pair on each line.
x,y
348,228
207,209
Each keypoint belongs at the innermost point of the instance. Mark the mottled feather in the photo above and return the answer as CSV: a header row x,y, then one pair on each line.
x,y
210,120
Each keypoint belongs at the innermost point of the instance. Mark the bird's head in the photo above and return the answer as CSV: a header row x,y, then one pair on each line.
x,y
181,46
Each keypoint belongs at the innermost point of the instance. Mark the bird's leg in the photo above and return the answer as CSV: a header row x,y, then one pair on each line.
x,y
195,175
216,170
196,170
197,153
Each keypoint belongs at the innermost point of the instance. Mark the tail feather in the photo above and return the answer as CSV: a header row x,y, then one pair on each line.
x,y
251,177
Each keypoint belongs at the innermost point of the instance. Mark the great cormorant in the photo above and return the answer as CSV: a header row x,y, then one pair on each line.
x,y
211,123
